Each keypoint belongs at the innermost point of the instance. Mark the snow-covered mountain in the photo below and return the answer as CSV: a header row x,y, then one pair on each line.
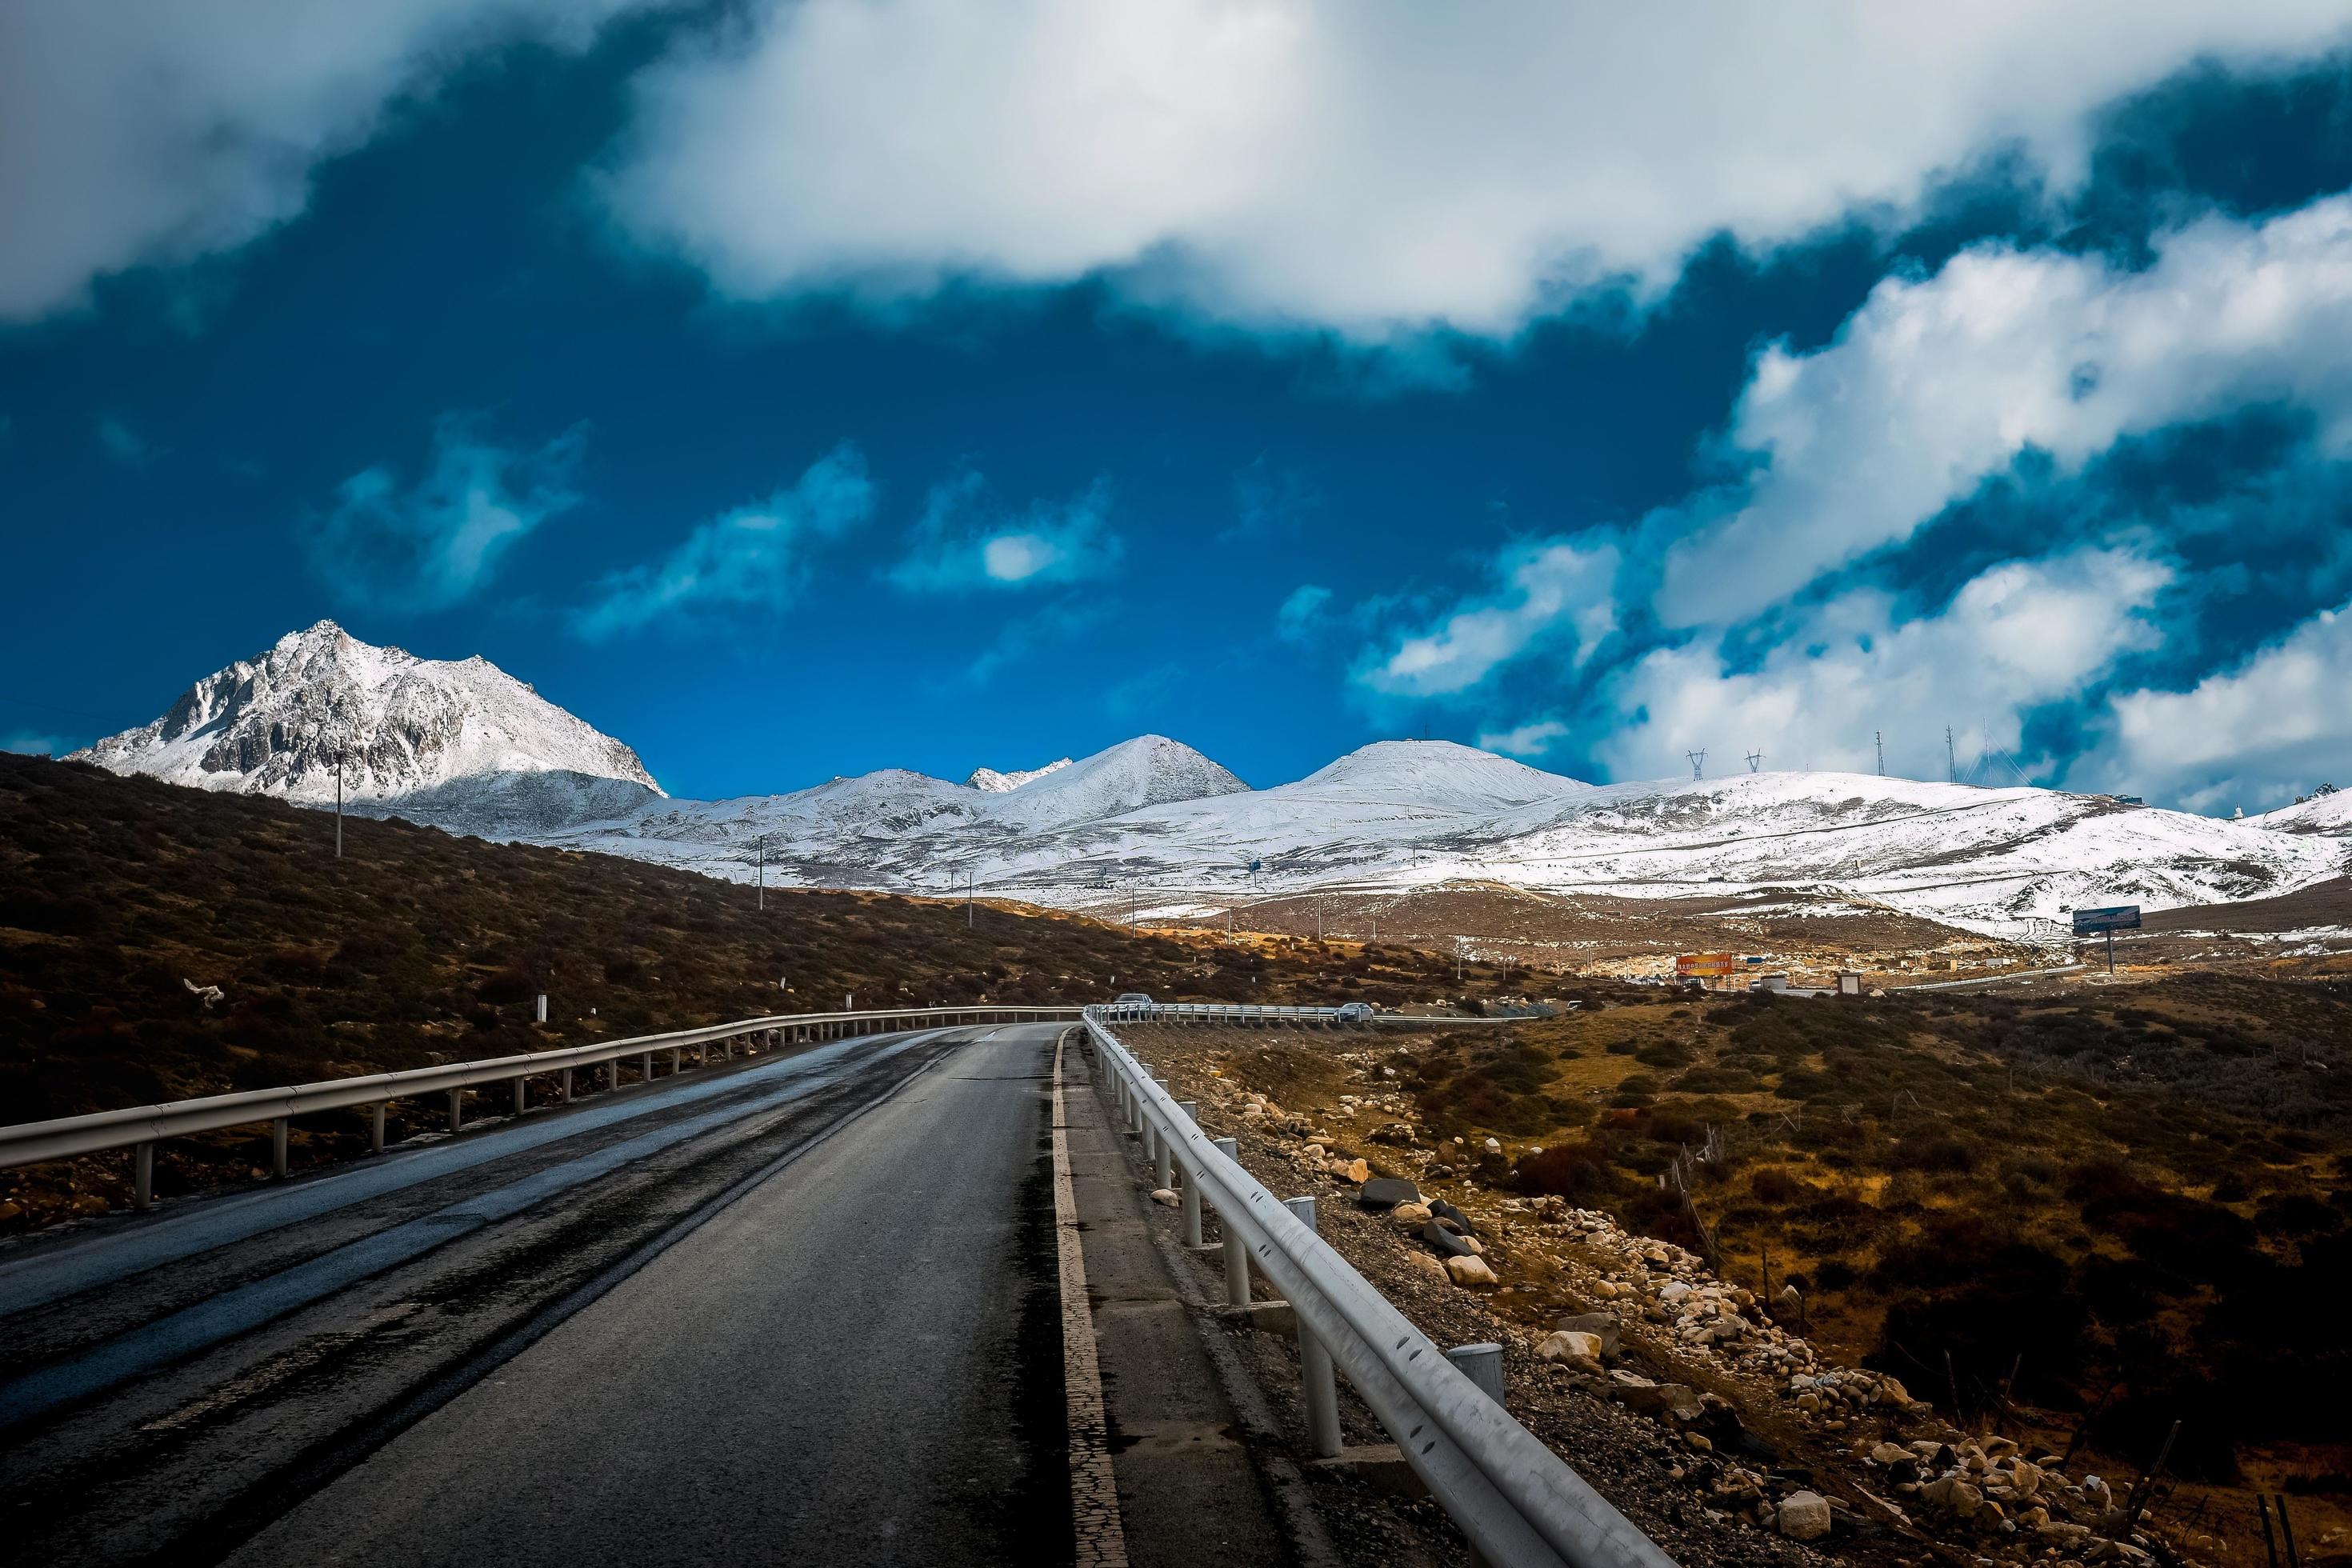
x,y
461,744
994,782
1406,814
465,745
2330,814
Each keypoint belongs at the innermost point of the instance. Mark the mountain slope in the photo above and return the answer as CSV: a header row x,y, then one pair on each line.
x,y
461,743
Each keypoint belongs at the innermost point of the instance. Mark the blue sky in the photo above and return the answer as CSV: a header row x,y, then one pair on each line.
x,y
794,389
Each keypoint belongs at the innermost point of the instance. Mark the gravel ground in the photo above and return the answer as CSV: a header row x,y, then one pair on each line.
x,y
1704,1475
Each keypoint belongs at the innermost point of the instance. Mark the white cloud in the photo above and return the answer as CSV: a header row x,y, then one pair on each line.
x,y
1545,589
1365,167
139,130
30,743
1304,614
751,558
435,544
2274,726
2019,636
1936,385
961,543
1530,740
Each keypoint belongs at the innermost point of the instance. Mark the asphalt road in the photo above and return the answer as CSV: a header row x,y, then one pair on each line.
x,y
858,1362
803,1309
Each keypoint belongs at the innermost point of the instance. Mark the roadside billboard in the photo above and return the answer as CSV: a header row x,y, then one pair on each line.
x,y
1706,965
2120,916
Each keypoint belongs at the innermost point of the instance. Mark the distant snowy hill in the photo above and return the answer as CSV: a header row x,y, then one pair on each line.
x,y
2330,814
1405,814
460,744
466,746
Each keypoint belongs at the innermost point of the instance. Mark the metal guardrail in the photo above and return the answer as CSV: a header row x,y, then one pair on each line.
x,y
1216,1012
1513,1497
138,1127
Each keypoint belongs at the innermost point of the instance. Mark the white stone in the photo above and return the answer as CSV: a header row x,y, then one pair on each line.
x,y
1804,1516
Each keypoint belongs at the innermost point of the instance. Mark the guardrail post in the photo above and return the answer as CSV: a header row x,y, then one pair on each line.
x,y
1192,1192
564,1087
645,1067
613,1073
1482,1364
456,1110
277,1145
142,1176
375,1128
1236,1250
1165,1160
675,1053
1319,1387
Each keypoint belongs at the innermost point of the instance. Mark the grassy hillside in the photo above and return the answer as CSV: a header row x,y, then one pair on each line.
x,y
2133,1200
119,895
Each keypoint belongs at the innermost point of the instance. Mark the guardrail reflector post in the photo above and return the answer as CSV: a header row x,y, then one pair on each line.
x,y
1192,1191
142,1177
1236,1250
1482,1364
277,1145
1319,1387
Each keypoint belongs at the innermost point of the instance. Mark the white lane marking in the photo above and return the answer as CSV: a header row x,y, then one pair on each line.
x,y
1094,1494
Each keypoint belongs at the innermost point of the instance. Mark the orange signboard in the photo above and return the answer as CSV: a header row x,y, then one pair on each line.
x,y
1706,965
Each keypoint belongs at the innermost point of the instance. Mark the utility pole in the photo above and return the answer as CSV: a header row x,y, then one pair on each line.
x,y
971,886
763,871
1755,762
1951,757
1879,739
1697,762
339,803
1458,961
1319,917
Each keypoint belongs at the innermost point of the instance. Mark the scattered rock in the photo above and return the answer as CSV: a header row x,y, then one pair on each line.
x,y
1357,1171
1410,1216
1471,1273
1426,1264
1804,1516
1494,1146
1570,1345
1166,1196
1388,1192
1445,1242
1444,1210
1601,1326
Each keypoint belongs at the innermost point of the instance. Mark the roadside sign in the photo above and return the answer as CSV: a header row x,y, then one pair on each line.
x,y
2115,918
1706,965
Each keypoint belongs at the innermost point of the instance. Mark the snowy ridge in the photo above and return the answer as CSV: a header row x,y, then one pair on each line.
x,y
459,743
468,747
994,782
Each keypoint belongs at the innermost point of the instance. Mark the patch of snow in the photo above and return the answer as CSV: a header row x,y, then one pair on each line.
x,y
995,782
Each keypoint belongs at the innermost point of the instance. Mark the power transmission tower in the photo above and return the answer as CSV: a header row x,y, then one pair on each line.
x,y
1951,757
1879,739
1698,763
1755,762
